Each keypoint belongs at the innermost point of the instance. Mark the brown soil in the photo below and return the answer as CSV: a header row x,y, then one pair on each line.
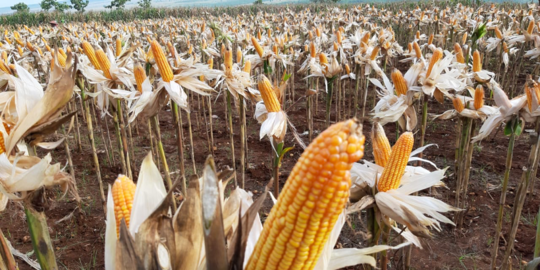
x,y
78,241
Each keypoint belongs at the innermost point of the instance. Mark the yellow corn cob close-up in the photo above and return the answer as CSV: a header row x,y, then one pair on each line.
x,y
268,94
399,82
395,167
104,63
313,197
161,60
123,192
381,145
530,28
478,97
374,53
118,47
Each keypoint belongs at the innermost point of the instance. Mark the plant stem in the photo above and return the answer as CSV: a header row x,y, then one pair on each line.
x,y
229,115
509,156
163,158
180,145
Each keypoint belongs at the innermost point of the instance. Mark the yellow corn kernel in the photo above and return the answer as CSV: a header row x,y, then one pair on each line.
x,y
399,157
91,54
140,76
123,191
118,47
437,55
314,195
459,54
381,145
257,46
477,62
478,97
417,50
399,82
104,63
161,60
268,94
458,104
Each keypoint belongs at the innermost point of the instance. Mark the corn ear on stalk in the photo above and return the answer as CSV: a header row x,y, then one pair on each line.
x,y
257,46
437,55
459,53
268,95
477,62
104,63
478,97
161,60
381,145
399,82
140,76
395,168
123,191
458,104
315,194
118,47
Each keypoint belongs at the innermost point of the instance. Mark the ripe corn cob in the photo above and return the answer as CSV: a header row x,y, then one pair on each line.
x,y
381,145
118,47
399,157
347,69
247,67
228,61
140,76
312,50
268,94
257,46
104,63
62,52
459,54
478,97
417,50
505,47
458,104
20,49
239,55
4,68
161,60
437,55
477,62
315,194
399,82
91,54
498,33
374,53
61,59
530,28
430,40
123,191
464,38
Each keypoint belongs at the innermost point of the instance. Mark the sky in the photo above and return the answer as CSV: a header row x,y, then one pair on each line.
x,y
9,3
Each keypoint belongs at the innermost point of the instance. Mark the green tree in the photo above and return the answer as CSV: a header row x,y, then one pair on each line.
x,y
118,4
260,2
79,5
21,7
61,7
47,4
145,3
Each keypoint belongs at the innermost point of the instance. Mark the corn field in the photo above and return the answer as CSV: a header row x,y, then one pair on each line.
x,y
391,136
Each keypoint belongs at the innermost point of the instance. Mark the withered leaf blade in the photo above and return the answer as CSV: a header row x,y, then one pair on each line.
x,y
127,256
237,248
37,133
214,236
58,93
188,229
155,238
6,258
